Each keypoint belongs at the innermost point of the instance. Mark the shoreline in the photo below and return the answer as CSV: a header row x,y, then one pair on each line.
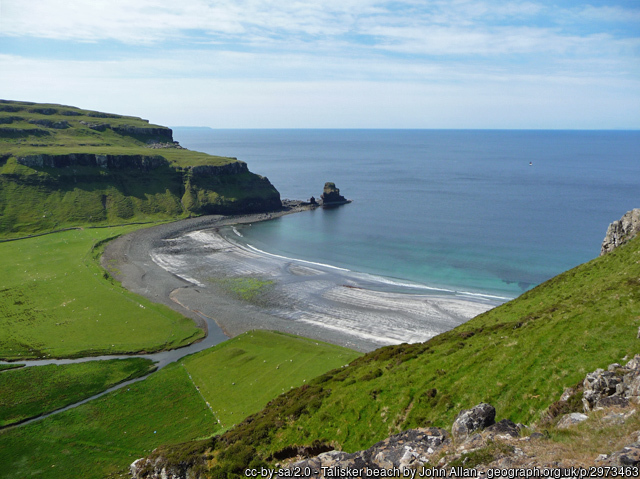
x,y
190,267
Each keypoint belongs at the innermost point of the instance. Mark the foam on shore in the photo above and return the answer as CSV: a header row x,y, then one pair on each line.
x,y
308,298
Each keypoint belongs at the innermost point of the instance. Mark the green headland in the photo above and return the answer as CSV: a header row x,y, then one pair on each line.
x,y
61,166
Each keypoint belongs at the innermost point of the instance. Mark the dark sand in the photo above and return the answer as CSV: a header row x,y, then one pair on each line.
x,y
188,265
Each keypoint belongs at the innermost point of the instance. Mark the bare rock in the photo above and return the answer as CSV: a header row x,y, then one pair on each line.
x,y
621,231
409,449
627,456
470,420
611,401
571,419
504,429
597,385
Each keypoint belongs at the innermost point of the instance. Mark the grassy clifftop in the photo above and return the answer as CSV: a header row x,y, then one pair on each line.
x,y
518,357
61,166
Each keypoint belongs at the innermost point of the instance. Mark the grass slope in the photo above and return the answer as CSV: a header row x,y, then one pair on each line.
x,y
39,198
518,357
104,436
55,301
33,391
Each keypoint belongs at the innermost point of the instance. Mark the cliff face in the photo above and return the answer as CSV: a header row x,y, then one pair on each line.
x,y
621,231
61,166
112,162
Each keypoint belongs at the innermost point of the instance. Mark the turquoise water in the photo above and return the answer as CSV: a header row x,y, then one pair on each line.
x,y
458,210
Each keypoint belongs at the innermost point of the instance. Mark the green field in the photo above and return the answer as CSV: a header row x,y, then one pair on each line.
x,y
240,376
105,435
55,301
33,391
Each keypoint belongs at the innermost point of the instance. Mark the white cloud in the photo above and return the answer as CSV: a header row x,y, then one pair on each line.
x,y
436,97
269,54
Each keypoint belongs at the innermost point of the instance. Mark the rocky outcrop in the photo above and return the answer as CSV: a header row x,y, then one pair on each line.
x,y
621,231
471,420
234,168
10,108
95,126
157,134
616,387
159,146
408,450
162,134
9,119
112,162
44,111
159,468
571,419
22,132
58,125
331,195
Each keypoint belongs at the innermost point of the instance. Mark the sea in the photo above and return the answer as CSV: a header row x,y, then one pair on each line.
x,y
487,213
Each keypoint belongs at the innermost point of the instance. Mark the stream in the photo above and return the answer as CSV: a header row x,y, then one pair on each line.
x,y
161,359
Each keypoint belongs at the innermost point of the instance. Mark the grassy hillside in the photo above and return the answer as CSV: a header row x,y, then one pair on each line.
x,y
61,166
55,300
174,405
518,357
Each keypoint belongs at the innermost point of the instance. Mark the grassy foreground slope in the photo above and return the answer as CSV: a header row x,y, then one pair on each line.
x,y
56,301
174,405
518,357
61,166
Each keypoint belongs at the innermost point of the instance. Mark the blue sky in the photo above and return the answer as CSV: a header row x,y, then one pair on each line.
x,y
330,64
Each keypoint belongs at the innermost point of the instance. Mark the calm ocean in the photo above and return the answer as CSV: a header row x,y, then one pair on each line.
x,y
480,211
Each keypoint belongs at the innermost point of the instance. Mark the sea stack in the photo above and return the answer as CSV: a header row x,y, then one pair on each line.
x,y
331,195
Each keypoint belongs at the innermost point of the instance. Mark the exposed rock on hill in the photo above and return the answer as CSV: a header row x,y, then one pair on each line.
x,y
621,231
112,162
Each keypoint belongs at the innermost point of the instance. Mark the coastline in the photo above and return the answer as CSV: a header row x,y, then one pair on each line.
x,y
194,269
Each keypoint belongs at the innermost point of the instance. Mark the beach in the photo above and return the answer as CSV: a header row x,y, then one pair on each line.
x,y
197,268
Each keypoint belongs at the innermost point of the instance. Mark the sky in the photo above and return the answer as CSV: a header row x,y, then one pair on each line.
x,y
558,64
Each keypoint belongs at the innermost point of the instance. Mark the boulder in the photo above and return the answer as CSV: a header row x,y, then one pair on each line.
x,y
571,419
504,429
470,420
